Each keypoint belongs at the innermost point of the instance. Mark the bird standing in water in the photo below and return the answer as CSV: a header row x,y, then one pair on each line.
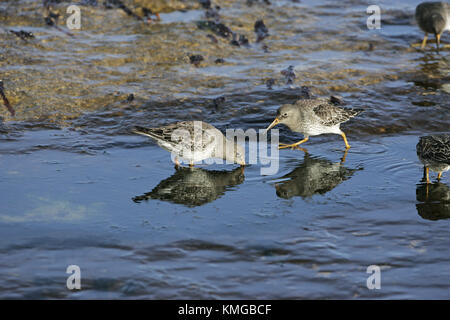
x,y
195,141
433,17
434,152
313,117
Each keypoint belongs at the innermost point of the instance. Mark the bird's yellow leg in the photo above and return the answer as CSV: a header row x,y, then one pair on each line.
x,y
283,146
345,140
424,42
428,174
439,176
191,164
438,41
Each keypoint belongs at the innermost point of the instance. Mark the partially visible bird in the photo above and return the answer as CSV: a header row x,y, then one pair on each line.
x,y
195,141
433,17
434,152
313,117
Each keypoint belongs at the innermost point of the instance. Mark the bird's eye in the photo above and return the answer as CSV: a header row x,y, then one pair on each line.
x,y
285,114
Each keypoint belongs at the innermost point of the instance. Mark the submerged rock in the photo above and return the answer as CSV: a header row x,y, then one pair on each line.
x,y
217,28
289,74
5,99
261,30
270,83
195,59
24,35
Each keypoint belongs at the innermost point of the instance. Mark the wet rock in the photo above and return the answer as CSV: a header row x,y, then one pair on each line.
x,y
195,59
50,17
130,98
270,83
215,27
305,93
261,30
206,4
219,60
118,4
5,99
213,13
289,74
24,35
241,41
212,38
219,102
252,2
234,41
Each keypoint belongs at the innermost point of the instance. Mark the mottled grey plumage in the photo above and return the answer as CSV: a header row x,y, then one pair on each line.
x,y
434,152
313,176
433,17
194,141
331,115
194,186
313,117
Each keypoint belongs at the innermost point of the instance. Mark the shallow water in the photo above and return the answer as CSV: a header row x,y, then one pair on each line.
x,y
78,188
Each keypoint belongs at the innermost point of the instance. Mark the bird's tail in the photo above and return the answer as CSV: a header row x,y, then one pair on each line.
x,y
356,111
145,132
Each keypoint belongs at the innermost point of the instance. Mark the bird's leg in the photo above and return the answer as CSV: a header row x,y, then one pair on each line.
x,y
177,163
427,174
439,176
345,140
191,164
283,146
424,42
438,41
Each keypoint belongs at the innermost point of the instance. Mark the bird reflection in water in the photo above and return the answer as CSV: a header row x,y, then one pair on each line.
x,y
313,176
194,186
434,200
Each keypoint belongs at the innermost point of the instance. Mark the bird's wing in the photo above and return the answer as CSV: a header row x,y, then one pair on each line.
x,y
435,148
173,137
330,115
441,148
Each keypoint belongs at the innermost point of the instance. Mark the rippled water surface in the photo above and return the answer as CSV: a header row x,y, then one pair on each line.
x,y
78,188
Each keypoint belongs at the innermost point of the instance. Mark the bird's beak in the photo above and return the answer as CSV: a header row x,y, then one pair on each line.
x,y
273,124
